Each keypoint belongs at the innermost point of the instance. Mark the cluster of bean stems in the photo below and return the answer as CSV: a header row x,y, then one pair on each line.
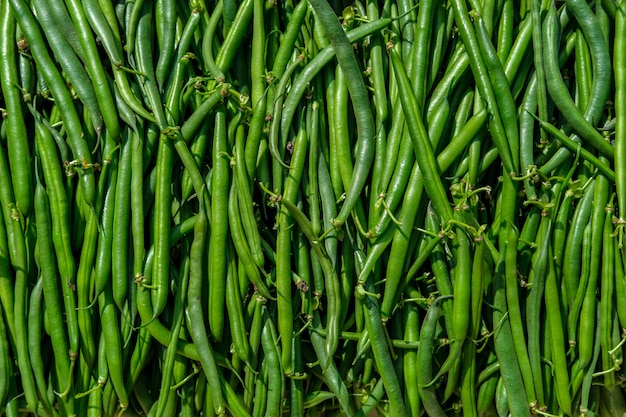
x,y
307,208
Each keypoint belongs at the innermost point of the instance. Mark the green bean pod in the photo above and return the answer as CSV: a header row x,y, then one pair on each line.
x,y
49,273
619,63
18,148
62,96
219,219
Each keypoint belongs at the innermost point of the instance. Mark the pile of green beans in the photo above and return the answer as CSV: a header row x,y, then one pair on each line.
x,y
312,208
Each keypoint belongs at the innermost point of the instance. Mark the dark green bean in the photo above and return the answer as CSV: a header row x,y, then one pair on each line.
x,y
505,345
235,313
49,275
18,148
240,243
275,376
588,310
559,92
235,36
104,94
194,312
380,349
283,257
35,339
619,63
5,363
62,97
358,93
219,219
425,371
18,258
165,16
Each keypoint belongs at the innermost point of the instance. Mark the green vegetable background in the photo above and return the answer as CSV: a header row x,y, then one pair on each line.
x,y
311,208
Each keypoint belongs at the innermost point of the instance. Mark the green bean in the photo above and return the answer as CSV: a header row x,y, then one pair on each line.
x,y
35,343
468,375
505,31
208,41
288,39
358,93
83,289
501,90
257,54
235,36
197,118
254,341
331,374
427,337
380,349
246,207
219,219
588,310
5,362
17,138
515,314
121,219
164,165
165,16
139,357
232,400
170,350
316,64
241,246
275,378
49,275
19,261
62,97
283,255
619,63
422,147
102,266
377,76
601,85
162,223
620,285
260,391
575,147
109,36
343,140
606,309
60,228
553,307
235,314
277,142
486,394
504,345
329,209
462,302
113,345
95,69
558,91
412,398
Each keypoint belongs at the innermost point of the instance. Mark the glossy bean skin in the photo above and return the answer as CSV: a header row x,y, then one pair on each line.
x,y
53,79
425,371
194,311
18,259
18,148
358,93
559,93
219,219
619,60
50,289
35,342
5,365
